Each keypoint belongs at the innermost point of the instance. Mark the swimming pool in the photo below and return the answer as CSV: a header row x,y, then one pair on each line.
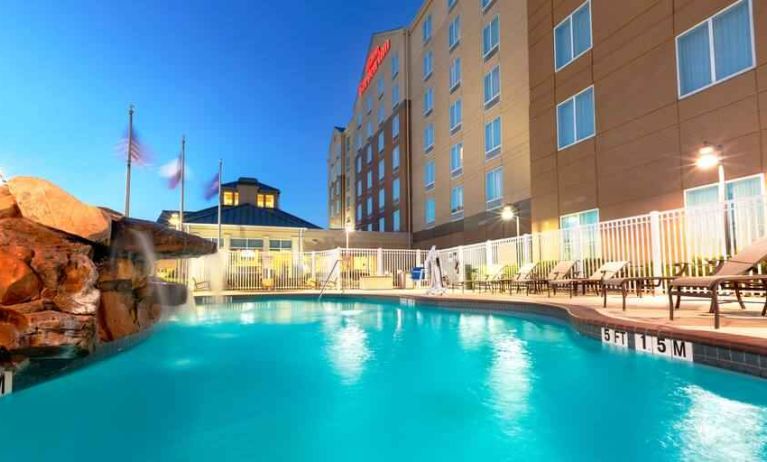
x,y
285,379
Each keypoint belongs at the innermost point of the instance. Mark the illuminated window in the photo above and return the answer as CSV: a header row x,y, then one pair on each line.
x,y
276,245
265,200
231,198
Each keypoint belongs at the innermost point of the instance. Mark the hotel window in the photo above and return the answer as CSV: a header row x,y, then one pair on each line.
x,y
492,86
394,65
369,104
430,211
451,3
370,179
359,119
428,63
276,245
456,160
715,50
369,206
485,4
428,175
395,158
358,140
381,169
572,36
369,227
359,211
381,142
575,119
428,101
395,126
382,224
428,138
359,164
395,221
369,154
370,129
456,200
380,87
580,234
359,188
394,95
381,114
246,244
381,199
745,216
426,29
395,190
490,37
231,198
455,115
455,74
493,137
454,32
494,188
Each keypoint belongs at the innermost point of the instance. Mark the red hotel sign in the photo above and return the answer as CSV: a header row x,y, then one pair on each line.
x,y
371,66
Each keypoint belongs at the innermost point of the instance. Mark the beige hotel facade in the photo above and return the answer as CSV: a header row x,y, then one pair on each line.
x,y
578,111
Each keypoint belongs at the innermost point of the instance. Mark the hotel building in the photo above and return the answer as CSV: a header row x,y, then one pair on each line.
x,y
625,94
369,159
573,112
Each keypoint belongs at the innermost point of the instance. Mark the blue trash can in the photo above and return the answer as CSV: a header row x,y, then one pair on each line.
x,y
418,273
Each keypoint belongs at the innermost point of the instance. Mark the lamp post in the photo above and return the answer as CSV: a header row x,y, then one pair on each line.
x,y
709,157
509,214
348,229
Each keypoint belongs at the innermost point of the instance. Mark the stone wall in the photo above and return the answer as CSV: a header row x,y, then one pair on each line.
x,y
73,276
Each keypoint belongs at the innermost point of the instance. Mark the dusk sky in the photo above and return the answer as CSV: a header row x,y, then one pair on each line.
x,y
252,82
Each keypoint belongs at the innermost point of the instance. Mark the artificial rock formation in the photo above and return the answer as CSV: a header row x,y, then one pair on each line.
x,y
73,276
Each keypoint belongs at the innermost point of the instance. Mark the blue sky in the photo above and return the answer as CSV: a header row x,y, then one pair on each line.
x,y
247,81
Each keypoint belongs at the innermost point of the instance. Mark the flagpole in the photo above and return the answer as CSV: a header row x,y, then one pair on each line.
x,y
183,179
220,170
130,155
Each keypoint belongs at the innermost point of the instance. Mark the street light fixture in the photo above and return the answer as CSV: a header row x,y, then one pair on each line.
x,y
508,214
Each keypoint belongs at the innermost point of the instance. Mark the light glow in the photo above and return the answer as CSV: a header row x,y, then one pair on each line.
x,y
708,160
507,214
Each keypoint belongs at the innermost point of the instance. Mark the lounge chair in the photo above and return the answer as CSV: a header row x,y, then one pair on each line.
x,y
200,285
607,271
561,271
732,274
524,276
491,279
640,283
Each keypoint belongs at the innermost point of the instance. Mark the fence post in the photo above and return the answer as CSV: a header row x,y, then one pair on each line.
x,y
314,266
339,259
488,253
418,257
655,244
461,265
379,262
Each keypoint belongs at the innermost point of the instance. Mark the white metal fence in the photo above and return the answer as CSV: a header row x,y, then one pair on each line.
x,y
653,244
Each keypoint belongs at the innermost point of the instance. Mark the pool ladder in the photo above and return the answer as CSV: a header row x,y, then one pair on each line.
x,y
327,279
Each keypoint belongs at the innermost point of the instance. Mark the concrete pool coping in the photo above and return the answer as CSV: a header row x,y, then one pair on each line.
x,y
741,353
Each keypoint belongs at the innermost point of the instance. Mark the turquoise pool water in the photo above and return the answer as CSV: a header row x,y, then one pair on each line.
x,y
369,381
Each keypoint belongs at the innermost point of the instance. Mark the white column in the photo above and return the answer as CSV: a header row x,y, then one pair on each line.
x,y
489,253
379,262
339,265
461,265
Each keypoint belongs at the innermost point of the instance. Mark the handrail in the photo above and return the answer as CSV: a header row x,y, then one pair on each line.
x,y
327,279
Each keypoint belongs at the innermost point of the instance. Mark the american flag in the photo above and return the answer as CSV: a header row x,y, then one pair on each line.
x,y
212,189
139,154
